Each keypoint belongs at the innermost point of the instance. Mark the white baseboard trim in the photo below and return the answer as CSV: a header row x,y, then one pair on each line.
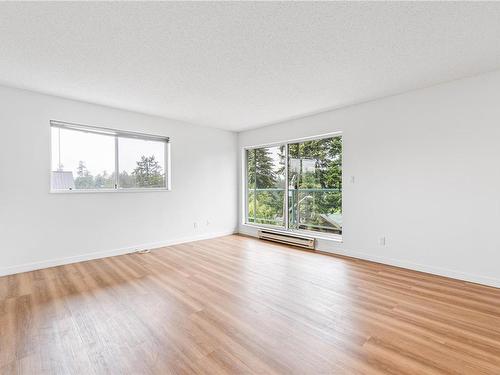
x,y
26,267
459,275
335,248
446,272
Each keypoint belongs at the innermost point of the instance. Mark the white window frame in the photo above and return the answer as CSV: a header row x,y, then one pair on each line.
x,y
116,134
285,229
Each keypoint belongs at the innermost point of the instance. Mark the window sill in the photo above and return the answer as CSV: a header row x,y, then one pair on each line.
x,y
318,236
107,191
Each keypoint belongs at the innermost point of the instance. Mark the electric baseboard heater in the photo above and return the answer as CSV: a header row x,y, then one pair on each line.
x,y
289,239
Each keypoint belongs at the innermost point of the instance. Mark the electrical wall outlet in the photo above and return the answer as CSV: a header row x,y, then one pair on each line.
x,y
195,225
381,241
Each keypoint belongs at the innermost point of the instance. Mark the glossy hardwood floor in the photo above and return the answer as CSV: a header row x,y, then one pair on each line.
x,y
238,305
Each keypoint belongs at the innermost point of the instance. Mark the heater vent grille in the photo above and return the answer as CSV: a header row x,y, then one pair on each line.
x,y
289,239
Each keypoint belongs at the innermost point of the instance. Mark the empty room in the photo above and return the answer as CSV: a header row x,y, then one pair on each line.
x,y
294,188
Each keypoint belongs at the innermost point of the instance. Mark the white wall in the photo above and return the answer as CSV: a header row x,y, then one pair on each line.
x,y
39,229
426,163
427,176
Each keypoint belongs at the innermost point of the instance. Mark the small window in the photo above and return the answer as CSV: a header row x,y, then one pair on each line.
x,y
86,158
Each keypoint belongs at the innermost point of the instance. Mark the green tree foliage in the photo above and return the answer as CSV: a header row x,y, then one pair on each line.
x,y
266,207
260,168
326,156
84,179
126,180
104,180
148,172
266,182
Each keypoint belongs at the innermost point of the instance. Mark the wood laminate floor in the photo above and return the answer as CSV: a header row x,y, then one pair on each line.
x,y
239,305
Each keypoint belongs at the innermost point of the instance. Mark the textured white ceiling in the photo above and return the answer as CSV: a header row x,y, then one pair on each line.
x,y
242,65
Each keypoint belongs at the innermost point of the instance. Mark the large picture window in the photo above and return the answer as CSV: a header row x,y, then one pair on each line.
x,y
296,186
86,158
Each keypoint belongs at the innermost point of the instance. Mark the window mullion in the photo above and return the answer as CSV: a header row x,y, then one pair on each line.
x,y
117,167
287,225
255,187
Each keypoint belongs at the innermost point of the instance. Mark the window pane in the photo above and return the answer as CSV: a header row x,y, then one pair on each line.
x,y
266,185
315,185
82,160
250,158
141,163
